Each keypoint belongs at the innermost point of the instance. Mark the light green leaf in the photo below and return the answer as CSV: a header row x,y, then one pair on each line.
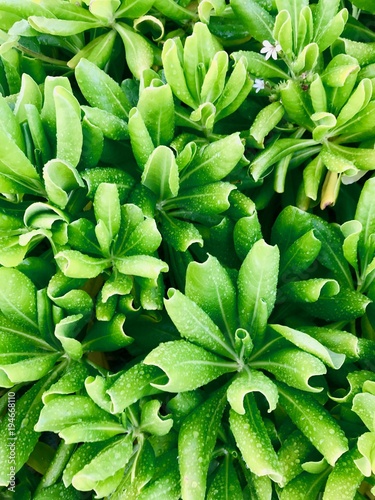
x,y
304,486
186,365
309,290
152,421
161,173
138,50
265,121
294,367
111,126
140,138
209,199
157,109
134,384
144,266
256,19
246,232
332,30
174,72
345,306
15,166
364,407
213,162
345,478
195,324
258,66
214,81
105,93
105,464
71,381
299,256
335,340
75,264
225,483
365,214
310,345
97,51
107,336
180,234
366,446
253,441
61,27
251,381
18,299
294,451
68,126
257,280
60,178
315,422
196,442
209,285
107,209
77,418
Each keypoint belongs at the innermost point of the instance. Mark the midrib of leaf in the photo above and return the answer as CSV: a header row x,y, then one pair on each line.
x,y
231,353
42,344
27,319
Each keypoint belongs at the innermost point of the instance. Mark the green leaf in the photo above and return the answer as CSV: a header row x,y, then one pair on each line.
x,y
251,381
196,442
364,407
111,126
345,478
256,19
161,173
157,109
61,27
60,178
133,8
299,256
332,30
309,290
225,483
296,104
68,126
314,421
107,336
75,264
71,381
365,214
144,266
253,441
105,464
294,451
214,81
294,367
310,345
258,66
347,305
138,50
257,280
174,72
134,384
213,162
209,285
15,166
195,324
304,486
209,199
152,422
18,299
77,418
186,365
265,121
200,48
100,90
27,410
245,233
180,234
98,51
322,15
366,446
336,340
107,209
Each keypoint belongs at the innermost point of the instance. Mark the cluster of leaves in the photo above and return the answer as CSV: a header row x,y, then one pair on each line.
x,y
178,316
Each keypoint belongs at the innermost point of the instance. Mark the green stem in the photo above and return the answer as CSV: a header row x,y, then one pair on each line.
x,y
42,57
55,470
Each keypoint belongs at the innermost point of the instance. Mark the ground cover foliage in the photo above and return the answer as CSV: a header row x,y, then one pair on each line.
x,y
187,249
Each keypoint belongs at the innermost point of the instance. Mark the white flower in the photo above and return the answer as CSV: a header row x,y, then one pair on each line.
x,y
270,50
258,85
